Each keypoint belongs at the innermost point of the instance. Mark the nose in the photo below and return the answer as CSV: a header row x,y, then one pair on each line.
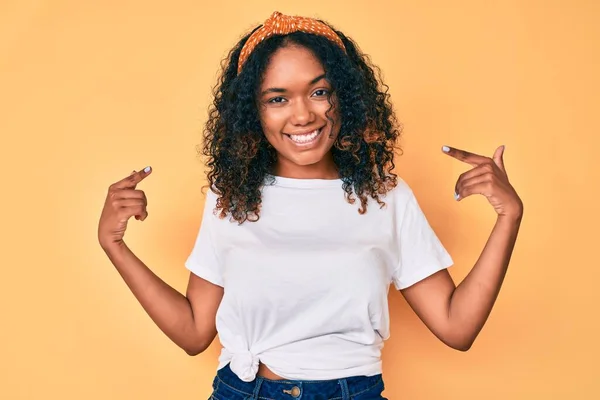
x,y
302,113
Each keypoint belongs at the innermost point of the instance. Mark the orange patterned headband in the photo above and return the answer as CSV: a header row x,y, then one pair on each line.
x,y
279,24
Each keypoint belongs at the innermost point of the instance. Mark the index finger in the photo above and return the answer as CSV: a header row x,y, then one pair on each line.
x,y
132,180
465,156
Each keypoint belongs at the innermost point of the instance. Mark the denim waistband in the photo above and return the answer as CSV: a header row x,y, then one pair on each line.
x,y
265,388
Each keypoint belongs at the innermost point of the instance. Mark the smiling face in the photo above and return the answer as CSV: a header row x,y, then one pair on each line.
x,y
294,104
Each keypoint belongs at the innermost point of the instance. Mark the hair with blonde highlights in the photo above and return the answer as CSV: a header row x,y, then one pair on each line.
x,y
239,158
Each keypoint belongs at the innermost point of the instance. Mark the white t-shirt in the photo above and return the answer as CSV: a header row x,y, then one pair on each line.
x,y
306,287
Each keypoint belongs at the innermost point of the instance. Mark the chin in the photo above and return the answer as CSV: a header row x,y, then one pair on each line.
x,y
305,159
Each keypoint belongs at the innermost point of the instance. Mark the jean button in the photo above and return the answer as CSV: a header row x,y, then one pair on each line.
x,y
294,392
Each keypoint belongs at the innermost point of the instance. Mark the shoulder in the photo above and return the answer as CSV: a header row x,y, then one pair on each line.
x,y
399,195
208,196
210,202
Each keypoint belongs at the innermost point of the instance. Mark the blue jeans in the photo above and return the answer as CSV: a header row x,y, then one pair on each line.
x,y
227,386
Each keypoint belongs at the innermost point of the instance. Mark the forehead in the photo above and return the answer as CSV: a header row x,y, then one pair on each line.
x,y
291,65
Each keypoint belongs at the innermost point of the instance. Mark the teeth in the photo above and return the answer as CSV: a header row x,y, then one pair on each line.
x,y
305,138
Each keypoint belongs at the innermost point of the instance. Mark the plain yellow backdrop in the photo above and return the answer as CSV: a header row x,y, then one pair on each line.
x,y
90,91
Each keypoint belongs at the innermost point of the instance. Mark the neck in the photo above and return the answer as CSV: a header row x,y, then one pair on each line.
x,y
324,169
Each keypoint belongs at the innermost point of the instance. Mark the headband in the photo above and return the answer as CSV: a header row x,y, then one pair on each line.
x,y
279,24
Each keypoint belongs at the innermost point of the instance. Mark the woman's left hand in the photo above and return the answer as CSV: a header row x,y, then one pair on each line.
x,y
488,178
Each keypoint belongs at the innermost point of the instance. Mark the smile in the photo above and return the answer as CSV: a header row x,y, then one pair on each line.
x,y
305,138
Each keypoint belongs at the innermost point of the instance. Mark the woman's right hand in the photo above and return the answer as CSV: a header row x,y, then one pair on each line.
x,y
122,202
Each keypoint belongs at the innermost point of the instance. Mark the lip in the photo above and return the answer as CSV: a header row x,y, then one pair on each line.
x,y
306,144
305,132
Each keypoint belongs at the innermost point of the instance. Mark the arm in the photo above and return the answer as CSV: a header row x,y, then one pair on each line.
x,y
456,315
189,321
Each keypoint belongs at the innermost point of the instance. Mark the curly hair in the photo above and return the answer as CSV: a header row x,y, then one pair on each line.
x,y
239,158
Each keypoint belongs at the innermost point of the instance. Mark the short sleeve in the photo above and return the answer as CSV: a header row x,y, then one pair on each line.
x,y
203,260
421,252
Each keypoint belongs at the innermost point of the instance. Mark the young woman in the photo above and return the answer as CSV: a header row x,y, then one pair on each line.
x,y
305,226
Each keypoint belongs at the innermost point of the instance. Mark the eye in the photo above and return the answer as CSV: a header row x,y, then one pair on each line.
x,y
321,92
276,100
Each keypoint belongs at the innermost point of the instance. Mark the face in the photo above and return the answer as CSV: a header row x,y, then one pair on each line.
x,y
294,103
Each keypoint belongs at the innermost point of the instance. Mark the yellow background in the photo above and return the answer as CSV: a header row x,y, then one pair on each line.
x,y
90,91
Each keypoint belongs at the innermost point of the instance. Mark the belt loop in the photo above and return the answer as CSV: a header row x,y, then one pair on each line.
x,y
345,392
259,381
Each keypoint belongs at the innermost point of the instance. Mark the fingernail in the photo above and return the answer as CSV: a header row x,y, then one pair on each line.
x,y
456,196
445,149
147,169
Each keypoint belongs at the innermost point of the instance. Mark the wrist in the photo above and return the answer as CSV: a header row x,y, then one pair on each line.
x,y
515,214
511,219
113,247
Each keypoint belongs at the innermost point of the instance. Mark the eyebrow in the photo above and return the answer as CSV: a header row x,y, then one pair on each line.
x,y
281,90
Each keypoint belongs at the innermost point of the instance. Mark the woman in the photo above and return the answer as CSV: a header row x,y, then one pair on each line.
x,y
305,226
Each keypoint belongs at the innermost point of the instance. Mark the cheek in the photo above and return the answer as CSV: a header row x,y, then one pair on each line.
x,y
272,121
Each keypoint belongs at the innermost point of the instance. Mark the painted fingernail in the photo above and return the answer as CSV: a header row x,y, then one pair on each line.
x,y
445,149
456,196
147,169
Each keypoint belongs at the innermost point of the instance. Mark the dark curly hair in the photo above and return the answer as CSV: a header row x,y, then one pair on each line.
x,y
239,157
